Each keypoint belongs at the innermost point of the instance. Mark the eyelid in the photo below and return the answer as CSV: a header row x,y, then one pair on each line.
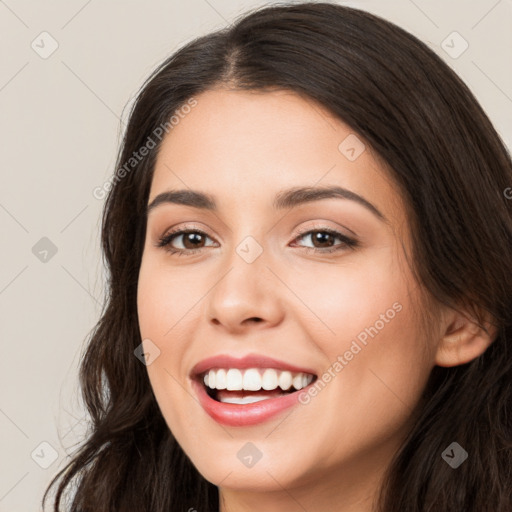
x,y
320,227
299,232
348,242
178,229
186,227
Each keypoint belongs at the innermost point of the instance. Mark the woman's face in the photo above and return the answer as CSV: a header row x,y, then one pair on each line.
x,y
264,274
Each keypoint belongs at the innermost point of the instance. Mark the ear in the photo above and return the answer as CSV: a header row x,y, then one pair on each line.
x,y
463,339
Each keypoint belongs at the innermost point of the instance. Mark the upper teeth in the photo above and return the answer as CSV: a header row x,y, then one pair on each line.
x,y
252,380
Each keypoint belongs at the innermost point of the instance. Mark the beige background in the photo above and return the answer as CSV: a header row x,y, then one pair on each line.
x,y
61,120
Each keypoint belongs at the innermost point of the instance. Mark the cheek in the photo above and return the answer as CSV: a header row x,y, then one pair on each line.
x,y
376,367
164,298
365,324
162,305
345,299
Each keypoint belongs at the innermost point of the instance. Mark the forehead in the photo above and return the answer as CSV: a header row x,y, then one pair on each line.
x,y
246,145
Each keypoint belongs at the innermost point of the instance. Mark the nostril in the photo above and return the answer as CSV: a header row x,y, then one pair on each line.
x,y
256,319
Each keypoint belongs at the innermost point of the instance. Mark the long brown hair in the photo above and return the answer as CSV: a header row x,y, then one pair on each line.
x,y
452,170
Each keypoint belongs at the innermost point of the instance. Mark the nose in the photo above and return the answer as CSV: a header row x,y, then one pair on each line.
x,y
247,296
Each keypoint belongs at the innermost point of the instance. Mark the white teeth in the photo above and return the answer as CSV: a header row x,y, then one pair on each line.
x,y
306,379
233,379
254,379
297,381
269,380
220,379
244,400
211,379
285,380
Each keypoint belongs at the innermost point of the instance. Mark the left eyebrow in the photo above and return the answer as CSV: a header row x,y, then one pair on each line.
x,y
289,198
300,195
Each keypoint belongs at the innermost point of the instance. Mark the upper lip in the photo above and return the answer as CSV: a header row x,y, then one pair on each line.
x,y
247,361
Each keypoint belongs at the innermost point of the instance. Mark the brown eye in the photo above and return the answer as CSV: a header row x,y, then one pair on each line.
x,y
323,240
191,240
194,240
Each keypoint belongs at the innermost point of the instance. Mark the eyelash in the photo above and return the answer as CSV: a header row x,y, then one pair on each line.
x,y
347,242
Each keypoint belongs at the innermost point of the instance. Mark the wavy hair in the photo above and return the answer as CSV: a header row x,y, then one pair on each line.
x,y
452,170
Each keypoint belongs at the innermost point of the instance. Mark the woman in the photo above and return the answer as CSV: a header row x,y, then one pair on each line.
x,y
308,238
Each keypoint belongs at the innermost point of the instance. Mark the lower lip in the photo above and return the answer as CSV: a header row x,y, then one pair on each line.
x,y
242,415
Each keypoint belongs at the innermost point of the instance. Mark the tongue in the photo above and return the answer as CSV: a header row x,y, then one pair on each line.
x,y
223,393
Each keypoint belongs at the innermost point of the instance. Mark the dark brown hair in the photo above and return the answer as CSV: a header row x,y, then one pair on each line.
x,y
451,169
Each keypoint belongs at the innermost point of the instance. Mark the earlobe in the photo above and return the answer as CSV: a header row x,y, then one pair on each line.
x,y
463,340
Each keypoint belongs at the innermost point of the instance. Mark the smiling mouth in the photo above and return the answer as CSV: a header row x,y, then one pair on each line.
x,y
236,386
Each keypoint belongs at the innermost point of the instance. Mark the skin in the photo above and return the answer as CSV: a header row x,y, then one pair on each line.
x,y
329,455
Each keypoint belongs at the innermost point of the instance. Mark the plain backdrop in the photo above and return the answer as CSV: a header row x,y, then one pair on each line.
x,y
69,72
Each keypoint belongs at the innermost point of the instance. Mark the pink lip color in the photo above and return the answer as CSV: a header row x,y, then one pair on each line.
x,y
235,415
242,415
